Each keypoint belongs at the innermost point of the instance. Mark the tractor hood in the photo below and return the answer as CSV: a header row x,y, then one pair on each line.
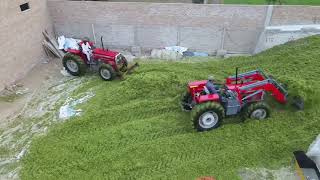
x,y
104,52
197,83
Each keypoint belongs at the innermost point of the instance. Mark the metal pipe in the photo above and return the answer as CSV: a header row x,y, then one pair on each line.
x,y
102,42
237,75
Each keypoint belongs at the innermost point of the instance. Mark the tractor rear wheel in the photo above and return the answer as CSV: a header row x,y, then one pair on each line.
x,y
207,116
258,110
106,72
74,64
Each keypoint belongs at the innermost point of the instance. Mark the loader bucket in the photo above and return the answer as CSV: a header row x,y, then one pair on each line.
x,y
131,68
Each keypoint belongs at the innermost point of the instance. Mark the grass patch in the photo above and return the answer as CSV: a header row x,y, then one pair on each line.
x,y
8,98
135,129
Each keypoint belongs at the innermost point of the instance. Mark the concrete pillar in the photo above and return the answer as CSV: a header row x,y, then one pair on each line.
x,y
267,22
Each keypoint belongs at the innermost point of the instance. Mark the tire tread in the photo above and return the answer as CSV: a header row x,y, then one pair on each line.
x,y
199,109
78,60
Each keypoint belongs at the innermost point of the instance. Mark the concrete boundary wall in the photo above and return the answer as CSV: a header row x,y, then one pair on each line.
x,y
235,28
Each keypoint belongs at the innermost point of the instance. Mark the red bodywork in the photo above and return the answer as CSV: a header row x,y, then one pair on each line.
x,y
250,86
99,54
197,87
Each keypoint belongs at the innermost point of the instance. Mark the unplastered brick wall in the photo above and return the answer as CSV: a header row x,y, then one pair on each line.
x,y
153,1
201,27
295,15
168,1
154,25
21,37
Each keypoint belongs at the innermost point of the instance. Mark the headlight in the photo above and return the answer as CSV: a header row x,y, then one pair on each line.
x,y
118,58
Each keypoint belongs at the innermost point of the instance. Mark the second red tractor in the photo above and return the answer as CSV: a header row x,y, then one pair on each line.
x,y
241,94
109,64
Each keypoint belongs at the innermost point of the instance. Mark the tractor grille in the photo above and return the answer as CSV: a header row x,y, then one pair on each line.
x,y
122,63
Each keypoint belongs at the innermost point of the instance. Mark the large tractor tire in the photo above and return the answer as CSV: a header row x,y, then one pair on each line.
x,y
258,110
106,72
74,64
207,116
186,100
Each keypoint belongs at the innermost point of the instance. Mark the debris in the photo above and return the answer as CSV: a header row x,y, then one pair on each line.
x,y
179,49
51,45
65,73
68,43
10,93
22,153
188,54
165,54
22,91
195,54
50,49
200,54
61,42
67,110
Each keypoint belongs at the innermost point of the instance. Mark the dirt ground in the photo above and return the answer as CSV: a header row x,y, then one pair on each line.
x,y
31,107
31,84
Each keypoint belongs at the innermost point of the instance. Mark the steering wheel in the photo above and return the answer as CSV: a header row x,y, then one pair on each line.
x,y
224,91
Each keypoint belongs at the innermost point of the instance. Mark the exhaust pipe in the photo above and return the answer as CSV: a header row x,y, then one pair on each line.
x,y
237,69
102,42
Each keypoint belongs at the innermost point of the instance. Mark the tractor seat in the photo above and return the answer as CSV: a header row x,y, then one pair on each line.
x,y
207,92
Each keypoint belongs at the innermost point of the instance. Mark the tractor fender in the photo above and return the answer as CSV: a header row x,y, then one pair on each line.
x,y
208,98
107,61
78,53
74,51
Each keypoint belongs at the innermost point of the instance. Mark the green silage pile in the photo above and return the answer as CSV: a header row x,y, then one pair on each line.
x,y
135,129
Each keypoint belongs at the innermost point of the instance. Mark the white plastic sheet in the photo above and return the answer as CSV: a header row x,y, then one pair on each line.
x,y
68,43
178,49
165,54
68,109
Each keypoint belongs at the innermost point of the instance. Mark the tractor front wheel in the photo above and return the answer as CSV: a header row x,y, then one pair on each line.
x,y
207,116
258,110
74,64
106,72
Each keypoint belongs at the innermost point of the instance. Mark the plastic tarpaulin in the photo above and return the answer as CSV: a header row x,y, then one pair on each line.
x,y
68,43
178,49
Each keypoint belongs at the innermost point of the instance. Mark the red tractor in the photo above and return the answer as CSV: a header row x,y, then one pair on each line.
x,y
109,64
241,94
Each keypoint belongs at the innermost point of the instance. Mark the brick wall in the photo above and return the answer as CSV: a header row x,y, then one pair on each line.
x,y
152,25
153,1
166,1
20,37
124,25
300,15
